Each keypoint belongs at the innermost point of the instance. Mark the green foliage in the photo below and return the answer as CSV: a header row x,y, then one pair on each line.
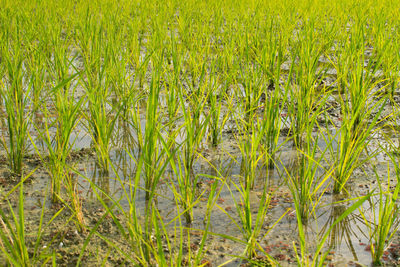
x,y
179,81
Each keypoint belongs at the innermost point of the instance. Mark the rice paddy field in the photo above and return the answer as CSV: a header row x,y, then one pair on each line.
x,y
199,133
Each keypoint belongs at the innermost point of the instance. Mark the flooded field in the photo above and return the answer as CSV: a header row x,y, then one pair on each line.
x,y
199,133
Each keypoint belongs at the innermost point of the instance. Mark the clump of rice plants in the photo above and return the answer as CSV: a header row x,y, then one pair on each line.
x,y
102,116
361,111
15,95
307,74
385,221
310,179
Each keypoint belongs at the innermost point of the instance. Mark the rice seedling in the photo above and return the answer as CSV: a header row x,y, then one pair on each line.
x,y
272,54
37,65
342,58
304,94
383,221
344,230
386,42
75,203
194,126
173,82
361,86
251,81
192,257
273,124
133,233
59,146
16,98
216,123
213,196
122,78
249,226
353,138
310,179
102,115
273,100
187,186
249,141
153,156
13,237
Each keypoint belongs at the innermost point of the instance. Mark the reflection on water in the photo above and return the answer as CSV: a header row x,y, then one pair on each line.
x,y
342,236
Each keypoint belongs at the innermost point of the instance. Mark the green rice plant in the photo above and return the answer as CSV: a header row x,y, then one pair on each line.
x,y
352,140
310,179
134,41
59,147
360,94
194,126
225,64
14,243
122,78
175,246
133,232
385,42
342,59
390,68
361,107
60,64
153,156
102,116
158,245
213,196
357,83
385,215
304,94
258,136
75,201
216,123
273,53
136,103
251,81
37,65
54,165
272,122
194,258
15,96
249,226
173,82
187,186
185,191
249,140
101,121
135,123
